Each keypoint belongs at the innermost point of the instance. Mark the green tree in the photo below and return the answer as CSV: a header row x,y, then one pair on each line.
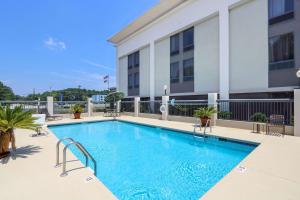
x,y
6,92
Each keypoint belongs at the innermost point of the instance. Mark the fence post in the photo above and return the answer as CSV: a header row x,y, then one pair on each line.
x,y
50,106
297,112
118,106
212,102
136,106
38,105
90,107
165,102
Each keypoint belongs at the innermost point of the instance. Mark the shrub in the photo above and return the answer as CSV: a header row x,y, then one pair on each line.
x,y
259,117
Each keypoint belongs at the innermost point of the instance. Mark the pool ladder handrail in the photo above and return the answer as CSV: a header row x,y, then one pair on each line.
x,y
57,148
200,127
81,148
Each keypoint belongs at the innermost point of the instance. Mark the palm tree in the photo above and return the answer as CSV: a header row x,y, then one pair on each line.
x,y
9,120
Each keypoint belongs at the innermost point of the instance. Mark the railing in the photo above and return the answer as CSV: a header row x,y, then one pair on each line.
x,y
186,108
100,106
64,107
39,107
244,109
127,106
150,107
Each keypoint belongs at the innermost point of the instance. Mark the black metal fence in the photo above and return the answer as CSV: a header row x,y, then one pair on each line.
x,y
100,106
246,109
127,106
36,107
64,107
150,107
186,108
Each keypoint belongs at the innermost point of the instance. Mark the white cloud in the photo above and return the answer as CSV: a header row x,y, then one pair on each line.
x,y
54,44
98,65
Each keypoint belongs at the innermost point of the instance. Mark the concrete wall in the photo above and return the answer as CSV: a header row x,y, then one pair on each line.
x,y
145,72
123,78
162,66
249,46
206,56
247,125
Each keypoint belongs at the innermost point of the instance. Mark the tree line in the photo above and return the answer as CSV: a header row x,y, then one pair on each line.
x,y
69,94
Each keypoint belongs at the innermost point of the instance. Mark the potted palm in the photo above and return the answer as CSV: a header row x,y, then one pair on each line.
x,y
205,114
11,119
76,110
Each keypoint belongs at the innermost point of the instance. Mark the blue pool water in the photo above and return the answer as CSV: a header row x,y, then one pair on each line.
x,y
143,162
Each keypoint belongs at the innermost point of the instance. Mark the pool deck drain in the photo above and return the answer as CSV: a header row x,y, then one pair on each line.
x,y
272,169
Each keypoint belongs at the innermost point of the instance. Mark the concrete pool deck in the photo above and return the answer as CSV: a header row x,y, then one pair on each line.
x,y
271,170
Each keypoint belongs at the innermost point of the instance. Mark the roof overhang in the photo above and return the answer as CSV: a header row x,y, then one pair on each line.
x,y
151,15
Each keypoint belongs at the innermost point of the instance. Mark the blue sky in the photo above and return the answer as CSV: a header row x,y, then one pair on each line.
x,y
61,43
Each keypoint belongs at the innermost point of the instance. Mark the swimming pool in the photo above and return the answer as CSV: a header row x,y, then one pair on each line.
x,y
144,162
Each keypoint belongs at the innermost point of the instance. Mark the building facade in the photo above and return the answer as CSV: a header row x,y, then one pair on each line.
x,y
236,48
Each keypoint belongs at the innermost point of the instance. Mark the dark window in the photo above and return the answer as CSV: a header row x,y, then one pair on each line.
x,y
174,72
281,51
136,59
174,44
280,7
188,39
136,80
130,82
130,61
188,70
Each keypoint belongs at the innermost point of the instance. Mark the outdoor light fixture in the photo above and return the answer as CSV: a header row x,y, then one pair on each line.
x,y
165,88
298,73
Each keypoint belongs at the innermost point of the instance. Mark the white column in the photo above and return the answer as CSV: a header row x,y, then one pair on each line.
x,y
212,102
50,105
152,71
136,106
224,51
117,70
90,106
165,102
118,106
297,112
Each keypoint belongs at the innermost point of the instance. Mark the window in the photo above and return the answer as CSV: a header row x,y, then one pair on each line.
x,y
188,70
174,44
136,59
280,7
281,51
174,72
188,39
130,81
136,80
130,61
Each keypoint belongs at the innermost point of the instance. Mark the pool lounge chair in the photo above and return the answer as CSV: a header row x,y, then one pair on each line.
x,y
275,121
41,122
53,117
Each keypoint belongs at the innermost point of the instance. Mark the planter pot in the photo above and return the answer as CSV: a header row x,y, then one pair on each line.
x,y
77,115
203,121
4,144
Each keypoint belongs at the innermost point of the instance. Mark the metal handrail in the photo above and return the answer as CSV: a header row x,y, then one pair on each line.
x,y
57,149
200,127
84,151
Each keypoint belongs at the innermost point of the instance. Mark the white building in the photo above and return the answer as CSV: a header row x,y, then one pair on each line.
x,y
98,98
237,48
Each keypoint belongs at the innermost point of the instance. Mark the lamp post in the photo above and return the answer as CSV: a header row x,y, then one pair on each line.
x,y
165,88
298,75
